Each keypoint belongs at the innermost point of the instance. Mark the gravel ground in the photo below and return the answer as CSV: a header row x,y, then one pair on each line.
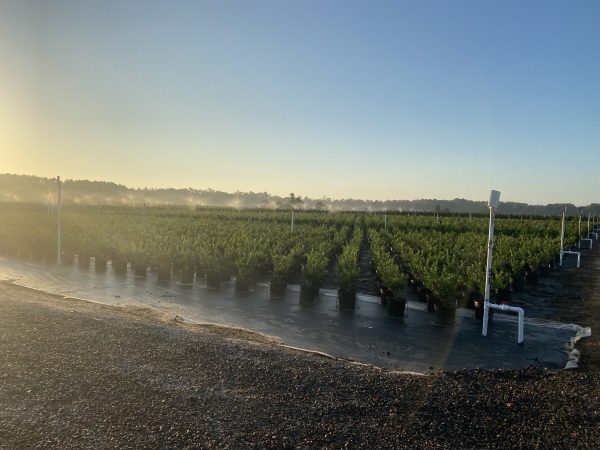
x,y
78,374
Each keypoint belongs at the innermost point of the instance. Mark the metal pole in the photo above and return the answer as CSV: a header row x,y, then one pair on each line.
x,y
588,225
385,221
488,273
292,219
58,250
562,237
579,243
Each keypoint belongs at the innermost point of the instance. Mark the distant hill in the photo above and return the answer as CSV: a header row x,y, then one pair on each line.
x,y
32,189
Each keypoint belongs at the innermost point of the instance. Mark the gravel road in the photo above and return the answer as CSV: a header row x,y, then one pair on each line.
x,y
79,374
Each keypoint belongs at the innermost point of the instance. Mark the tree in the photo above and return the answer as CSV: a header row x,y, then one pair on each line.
x,y
293,200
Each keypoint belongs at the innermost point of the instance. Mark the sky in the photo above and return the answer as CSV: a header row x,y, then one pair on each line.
x,y
325,98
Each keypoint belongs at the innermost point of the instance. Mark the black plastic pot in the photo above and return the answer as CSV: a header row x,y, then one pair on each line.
x,y
83,261
140,269
444,314
308,293
68,259
346,298
422,291
277,289
544,270
242,285
386,295
518,283
431,301
479,311
187,275
99,264
119,266
164,272
471,296
213,281
396,306
39,255
504,296
532,277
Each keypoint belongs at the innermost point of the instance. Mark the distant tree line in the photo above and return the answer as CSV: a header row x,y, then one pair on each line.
x,y
32,189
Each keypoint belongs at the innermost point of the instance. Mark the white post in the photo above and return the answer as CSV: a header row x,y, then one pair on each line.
x,y
588,225
562,240
492,204
579,242
562,237
58,250
385,221
292,219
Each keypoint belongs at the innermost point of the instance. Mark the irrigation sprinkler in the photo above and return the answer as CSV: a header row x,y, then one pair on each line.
x,y
493,203
58,251
562,241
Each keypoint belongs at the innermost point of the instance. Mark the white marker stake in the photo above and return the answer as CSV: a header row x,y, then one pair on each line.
x,y
58,251
492,205
579,243
292,219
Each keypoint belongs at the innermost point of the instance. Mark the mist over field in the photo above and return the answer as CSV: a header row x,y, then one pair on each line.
x,y
32,189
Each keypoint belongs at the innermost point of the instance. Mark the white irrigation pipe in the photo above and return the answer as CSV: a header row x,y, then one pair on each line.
x,y
520,312
493,204
58,250
562,240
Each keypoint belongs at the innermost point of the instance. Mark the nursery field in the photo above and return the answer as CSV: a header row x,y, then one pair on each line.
x,y
443,257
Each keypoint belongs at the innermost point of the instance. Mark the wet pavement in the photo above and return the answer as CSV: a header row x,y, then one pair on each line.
x,y
366,334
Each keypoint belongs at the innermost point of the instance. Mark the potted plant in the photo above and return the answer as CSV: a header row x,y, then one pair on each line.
x,y
394,281
502,281
348,274
100,262
314,270
246,263
348,271
282,268
214,267
444,285
83,260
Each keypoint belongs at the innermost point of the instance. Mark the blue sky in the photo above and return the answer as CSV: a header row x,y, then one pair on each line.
x,y
378,100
